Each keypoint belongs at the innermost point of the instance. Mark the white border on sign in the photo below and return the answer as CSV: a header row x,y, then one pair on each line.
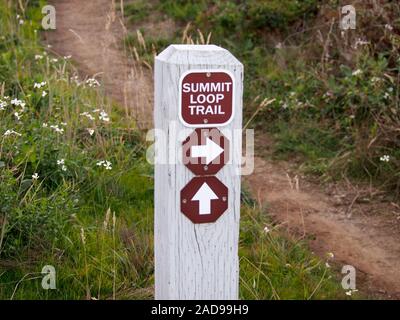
x,y
203,125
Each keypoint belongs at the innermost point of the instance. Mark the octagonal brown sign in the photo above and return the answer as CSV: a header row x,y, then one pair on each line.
x,y
205,151
204,199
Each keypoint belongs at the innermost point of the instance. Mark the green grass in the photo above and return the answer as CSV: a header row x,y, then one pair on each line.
x,y
95,225
279,42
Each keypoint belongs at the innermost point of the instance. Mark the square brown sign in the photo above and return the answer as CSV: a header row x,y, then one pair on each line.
x,y
206,98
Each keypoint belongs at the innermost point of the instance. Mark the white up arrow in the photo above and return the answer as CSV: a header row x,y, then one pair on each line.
x,y
204,195
210,151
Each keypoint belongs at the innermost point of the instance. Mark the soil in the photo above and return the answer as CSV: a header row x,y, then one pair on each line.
x,y
354,222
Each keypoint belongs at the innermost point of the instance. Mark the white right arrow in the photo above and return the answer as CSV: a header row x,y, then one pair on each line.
x,y
210,151
204,195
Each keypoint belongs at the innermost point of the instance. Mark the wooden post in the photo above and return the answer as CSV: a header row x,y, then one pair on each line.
x,y
195,256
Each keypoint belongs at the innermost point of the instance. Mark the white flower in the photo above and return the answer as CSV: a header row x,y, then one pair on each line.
x,y
357,72
87,115
360,42
17,115
91,131
104,116
106,164
35,176
67,57
388,27
39,84
385,158
45,125
54,60
44,93
266,229
375,79
38,57
3,105
61,163
10,132
327,265
92,82
330,255
21,21
350,292
57,129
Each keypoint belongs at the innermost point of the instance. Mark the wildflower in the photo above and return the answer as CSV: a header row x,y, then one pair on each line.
x,y
108,165
21,21
39,84
92,82
87,115
17,115
357,72
54,60
91,131
385,158
57,129
44,93
45,125
67,57
330,255
350,292
327,265
388,27
386,95
360,42
266,229
10,132
38,57
104,163
278,45
104,116
375,79
35,176
3,105
61,163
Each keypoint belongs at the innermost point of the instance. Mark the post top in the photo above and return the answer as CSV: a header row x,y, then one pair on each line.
x,y
197,54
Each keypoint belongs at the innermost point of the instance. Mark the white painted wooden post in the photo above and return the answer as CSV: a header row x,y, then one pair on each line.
x,y
194,261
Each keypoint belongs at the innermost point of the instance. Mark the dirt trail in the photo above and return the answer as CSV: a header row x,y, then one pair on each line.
x,y
357,225
92,32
